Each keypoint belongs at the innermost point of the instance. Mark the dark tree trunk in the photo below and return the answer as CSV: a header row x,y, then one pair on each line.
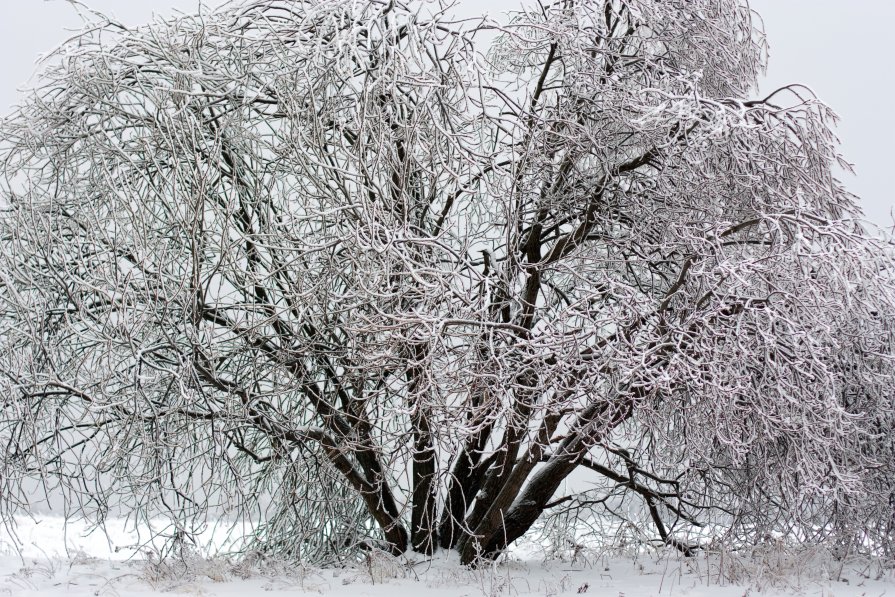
x,y
462,487
463,483
509,518
381,504
504,468
422,516
422,499
506,525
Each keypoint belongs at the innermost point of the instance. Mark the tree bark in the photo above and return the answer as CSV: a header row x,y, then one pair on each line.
x,y
423,516
505,524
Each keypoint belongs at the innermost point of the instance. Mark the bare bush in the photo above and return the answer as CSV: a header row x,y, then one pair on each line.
x,y
326,265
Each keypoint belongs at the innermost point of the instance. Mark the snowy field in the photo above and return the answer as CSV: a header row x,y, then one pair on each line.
x,y
55,562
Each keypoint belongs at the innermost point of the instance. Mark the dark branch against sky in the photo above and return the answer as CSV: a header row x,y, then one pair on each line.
x,y
842,55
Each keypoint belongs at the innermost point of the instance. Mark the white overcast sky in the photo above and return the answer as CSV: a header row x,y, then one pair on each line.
x,y
842,50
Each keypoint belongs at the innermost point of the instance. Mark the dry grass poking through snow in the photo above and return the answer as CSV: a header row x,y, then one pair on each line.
x,y
52,564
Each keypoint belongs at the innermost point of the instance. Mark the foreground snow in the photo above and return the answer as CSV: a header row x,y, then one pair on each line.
x,y
53,562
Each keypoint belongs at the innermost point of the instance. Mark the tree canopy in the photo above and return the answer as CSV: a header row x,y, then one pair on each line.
x,y
339,268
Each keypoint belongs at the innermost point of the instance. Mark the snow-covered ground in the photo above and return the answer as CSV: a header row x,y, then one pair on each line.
x,y
54,562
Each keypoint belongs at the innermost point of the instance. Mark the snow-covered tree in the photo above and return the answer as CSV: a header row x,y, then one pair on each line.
x,y
331,266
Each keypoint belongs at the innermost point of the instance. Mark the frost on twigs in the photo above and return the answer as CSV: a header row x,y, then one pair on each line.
x,y
336,269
